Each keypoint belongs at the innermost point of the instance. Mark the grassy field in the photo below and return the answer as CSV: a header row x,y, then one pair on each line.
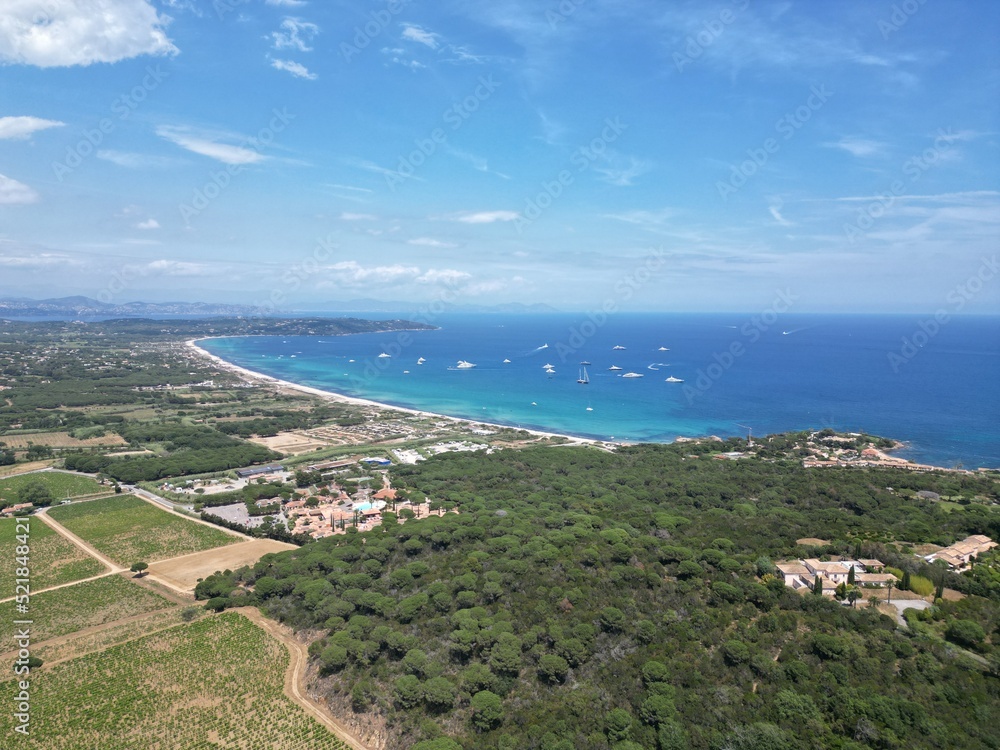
x,y
214,683
128,529
83,605
59,440
60,484
53,559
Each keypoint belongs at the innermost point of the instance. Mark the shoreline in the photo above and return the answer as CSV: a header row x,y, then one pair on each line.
x,y
192,344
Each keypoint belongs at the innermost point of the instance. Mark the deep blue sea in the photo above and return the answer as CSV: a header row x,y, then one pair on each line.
x,y
938,390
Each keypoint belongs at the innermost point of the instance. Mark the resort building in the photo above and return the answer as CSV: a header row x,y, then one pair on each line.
x,y
802,574
959,555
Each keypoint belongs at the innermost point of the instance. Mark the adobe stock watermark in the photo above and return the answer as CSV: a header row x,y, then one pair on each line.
x,y
582,159
751,332
696,44
455,117
913,168
786,126
956,300
624,289
122,106
901,14
223,8
563,10
219,180
378,21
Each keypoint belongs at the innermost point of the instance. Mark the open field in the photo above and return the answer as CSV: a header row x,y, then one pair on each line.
x,y
54,559
128,529
291,443
184,572
60,440
60,484
84,605
104,636
6,471
214,683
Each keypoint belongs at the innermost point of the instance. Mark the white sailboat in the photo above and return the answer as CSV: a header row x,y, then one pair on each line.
x,y
584,378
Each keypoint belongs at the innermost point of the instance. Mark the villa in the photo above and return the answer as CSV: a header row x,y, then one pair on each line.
x,y
959,555
802,574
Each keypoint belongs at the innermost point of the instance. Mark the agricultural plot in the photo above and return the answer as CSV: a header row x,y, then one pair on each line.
x,y
54,559
61,485
214,683
60,440
84,605
127,529
113,634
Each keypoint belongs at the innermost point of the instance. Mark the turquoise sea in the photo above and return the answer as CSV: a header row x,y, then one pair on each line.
x,y
935,387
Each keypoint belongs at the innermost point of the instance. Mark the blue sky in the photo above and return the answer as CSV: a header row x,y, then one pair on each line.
x,y
635,154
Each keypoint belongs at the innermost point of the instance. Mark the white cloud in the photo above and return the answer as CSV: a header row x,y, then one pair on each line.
x,y
352,272
22,127
57,33
295,34
860,147
40,260
348,216
286,3
775,211
177,268
131,160
486,217
148,224
421,36
447,276
14,192
296,69
199,144
430,242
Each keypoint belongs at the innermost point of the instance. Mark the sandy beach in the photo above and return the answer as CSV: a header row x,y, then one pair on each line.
x,y
341,398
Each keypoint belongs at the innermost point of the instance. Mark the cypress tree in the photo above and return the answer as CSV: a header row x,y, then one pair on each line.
x,y
850,576
818,585
905,583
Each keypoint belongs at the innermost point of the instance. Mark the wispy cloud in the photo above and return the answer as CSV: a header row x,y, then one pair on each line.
x,y
348,216
422,36
21,128
860,147
485,217
430,242
131,160
622,171
296,34
296,69
200,143
13,192
148,224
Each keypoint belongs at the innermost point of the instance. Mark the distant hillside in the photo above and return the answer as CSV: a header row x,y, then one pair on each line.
x,y
85,307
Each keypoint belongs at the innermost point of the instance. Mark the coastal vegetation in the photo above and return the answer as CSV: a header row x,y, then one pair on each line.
x,y
581,599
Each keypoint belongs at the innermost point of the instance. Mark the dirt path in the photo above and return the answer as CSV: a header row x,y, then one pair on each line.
x,y
63,531
295,677
90,631
36,592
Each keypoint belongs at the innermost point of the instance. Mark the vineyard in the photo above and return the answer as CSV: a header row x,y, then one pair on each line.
x,y
61,485
83,605
54,559
214,683
128,529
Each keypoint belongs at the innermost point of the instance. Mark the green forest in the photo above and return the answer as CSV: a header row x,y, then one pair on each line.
x,y
584,600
